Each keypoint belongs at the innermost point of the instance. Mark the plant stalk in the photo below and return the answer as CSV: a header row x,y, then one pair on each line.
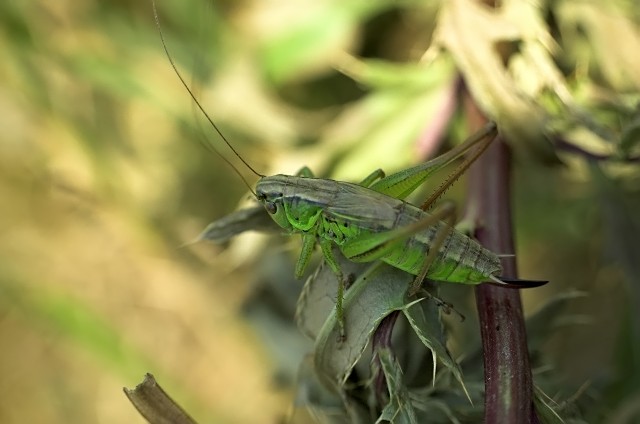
x,y
508,381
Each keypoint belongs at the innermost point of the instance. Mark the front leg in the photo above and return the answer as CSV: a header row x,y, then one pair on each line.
x,y
308,243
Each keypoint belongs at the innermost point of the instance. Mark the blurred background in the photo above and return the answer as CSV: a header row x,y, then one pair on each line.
x,y
106,176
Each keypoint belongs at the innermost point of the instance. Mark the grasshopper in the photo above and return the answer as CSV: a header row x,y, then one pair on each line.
x,y
371,221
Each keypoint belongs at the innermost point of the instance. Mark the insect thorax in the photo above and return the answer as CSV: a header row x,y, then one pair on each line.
x,y
338,231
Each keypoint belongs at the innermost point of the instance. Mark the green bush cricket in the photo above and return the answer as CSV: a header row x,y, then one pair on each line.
x,y
371,221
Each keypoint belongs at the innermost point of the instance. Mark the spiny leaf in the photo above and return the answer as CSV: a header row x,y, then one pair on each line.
x,y
317,298
430,331
546,414
314,399
399,409
376,293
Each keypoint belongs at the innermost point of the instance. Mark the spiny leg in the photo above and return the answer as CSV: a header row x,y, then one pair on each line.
x,y
376,246
460,169
325,246
448,209
446,213
399,185
403,183
371,247
308,238
308,243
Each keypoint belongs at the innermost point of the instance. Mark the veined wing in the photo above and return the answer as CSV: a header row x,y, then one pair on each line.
x,y
369,208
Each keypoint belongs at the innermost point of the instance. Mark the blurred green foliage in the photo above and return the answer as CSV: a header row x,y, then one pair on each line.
x,y
103,174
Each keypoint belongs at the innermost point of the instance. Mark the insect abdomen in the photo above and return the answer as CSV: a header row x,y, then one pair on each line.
x,y
460,258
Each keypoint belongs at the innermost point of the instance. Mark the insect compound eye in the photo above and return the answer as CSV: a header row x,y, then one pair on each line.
x,y
271,207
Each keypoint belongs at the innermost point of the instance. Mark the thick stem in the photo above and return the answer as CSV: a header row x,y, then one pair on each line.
x,y
508,381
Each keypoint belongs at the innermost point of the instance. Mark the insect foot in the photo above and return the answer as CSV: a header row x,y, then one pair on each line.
x,y
446,307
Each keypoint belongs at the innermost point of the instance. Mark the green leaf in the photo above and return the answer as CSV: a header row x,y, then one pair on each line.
x,y
378,290
318,297
376,293
546,414
399,409
315,403
426,322
318,32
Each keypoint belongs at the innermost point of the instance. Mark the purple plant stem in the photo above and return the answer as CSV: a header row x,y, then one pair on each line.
x,y
508,381
382,340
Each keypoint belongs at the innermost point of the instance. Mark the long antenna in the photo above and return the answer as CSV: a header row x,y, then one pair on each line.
x,y
204,112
